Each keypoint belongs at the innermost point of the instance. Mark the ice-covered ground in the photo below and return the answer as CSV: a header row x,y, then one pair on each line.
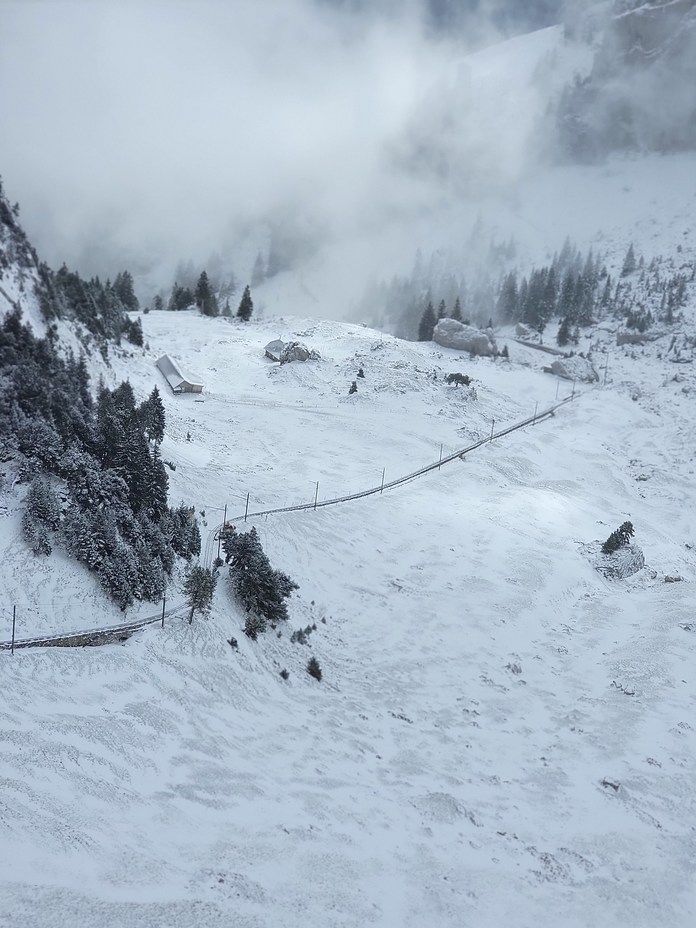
x,y
501,735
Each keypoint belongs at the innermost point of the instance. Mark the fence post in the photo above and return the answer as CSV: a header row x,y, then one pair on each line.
x,y
558,383
382,485
492,427
572,395
536,406
606,369
246,509
440,461
14,619
316,496
164,604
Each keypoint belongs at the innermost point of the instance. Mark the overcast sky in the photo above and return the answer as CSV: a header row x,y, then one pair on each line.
x,y
137,129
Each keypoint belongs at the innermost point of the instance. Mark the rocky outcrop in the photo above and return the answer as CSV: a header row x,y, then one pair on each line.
x,y
452,334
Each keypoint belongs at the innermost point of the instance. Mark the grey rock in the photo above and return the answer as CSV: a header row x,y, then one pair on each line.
x,y
452,334
575,368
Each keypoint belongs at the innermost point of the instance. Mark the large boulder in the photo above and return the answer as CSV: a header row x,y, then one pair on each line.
x,y
622,563
296,351
452,334
575,368
525,332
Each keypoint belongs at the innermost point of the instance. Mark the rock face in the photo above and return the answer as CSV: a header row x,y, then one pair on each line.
x,y
452,334
575,368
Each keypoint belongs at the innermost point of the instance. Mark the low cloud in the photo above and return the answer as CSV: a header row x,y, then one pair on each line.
x,y
138,132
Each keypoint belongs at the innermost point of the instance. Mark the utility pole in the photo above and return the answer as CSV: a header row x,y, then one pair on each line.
x,y
440,461
316,495
384,470
164,606
246,508
224,522
492,427
14,619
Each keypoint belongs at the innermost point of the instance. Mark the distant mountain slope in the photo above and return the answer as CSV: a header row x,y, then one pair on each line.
x,y
640,94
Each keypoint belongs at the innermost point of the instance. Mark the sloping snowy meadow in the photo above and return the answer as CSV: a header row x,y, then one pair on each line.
x,y
502,736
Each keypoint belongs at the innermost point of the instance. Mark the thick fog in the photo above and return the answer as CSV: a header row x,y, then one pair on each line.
x,y
138,133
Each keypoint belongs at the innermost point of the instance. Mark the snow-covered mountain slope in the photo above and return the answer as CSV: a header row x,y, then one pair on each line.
x,y
501,735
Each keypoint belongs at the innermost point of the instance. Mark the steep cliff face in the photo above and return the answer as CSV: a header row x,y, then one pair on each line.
x,y
640,94
20,270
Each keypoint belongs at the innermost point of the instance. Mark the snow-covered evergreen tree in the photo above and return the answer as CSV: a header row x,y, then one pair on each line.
x,y
427,324
246,305
261,590
199,588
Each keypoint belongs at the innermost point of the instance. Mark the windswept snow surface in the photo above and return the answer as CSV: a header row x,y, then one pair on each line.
x,y
501,736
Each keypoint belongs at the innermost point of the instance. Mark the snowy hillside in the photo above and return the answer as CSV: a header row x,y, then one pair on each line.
x,y
501,735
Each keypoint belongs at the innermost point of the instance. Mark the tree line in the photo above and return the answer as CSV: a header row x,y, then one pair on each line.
x,y
97,487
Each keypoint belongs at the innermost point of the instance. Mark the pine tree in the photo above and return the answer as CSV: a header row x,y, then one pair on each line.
x,y
205,298
457,311
622,536
567,297
427,324
260,589
563,336
41,513
246,306
629,264
441,310
133,330
181,298
199,588
42,503
123,288
508,304
152,417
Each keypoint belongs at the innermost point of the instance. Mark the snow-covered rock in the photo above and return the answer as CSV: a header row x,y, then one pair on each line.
x,y
523,331
575,368
296,351
452,334
622,563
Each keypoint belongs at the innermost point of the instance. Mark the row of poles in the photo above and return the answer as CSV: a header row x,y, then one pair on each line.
x,y
381,488
316,500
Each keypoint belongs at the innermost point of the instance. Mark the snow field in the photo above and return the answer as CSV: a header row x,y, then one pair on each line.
x,y
455,765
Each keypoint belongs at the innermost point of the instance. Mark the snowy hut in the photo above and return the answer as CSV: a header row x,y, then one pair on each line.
x,y
177,380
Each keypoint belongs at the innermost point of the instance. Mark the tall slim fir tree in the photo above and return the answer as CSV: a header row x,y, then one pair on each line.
x,y
246,306
427,324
